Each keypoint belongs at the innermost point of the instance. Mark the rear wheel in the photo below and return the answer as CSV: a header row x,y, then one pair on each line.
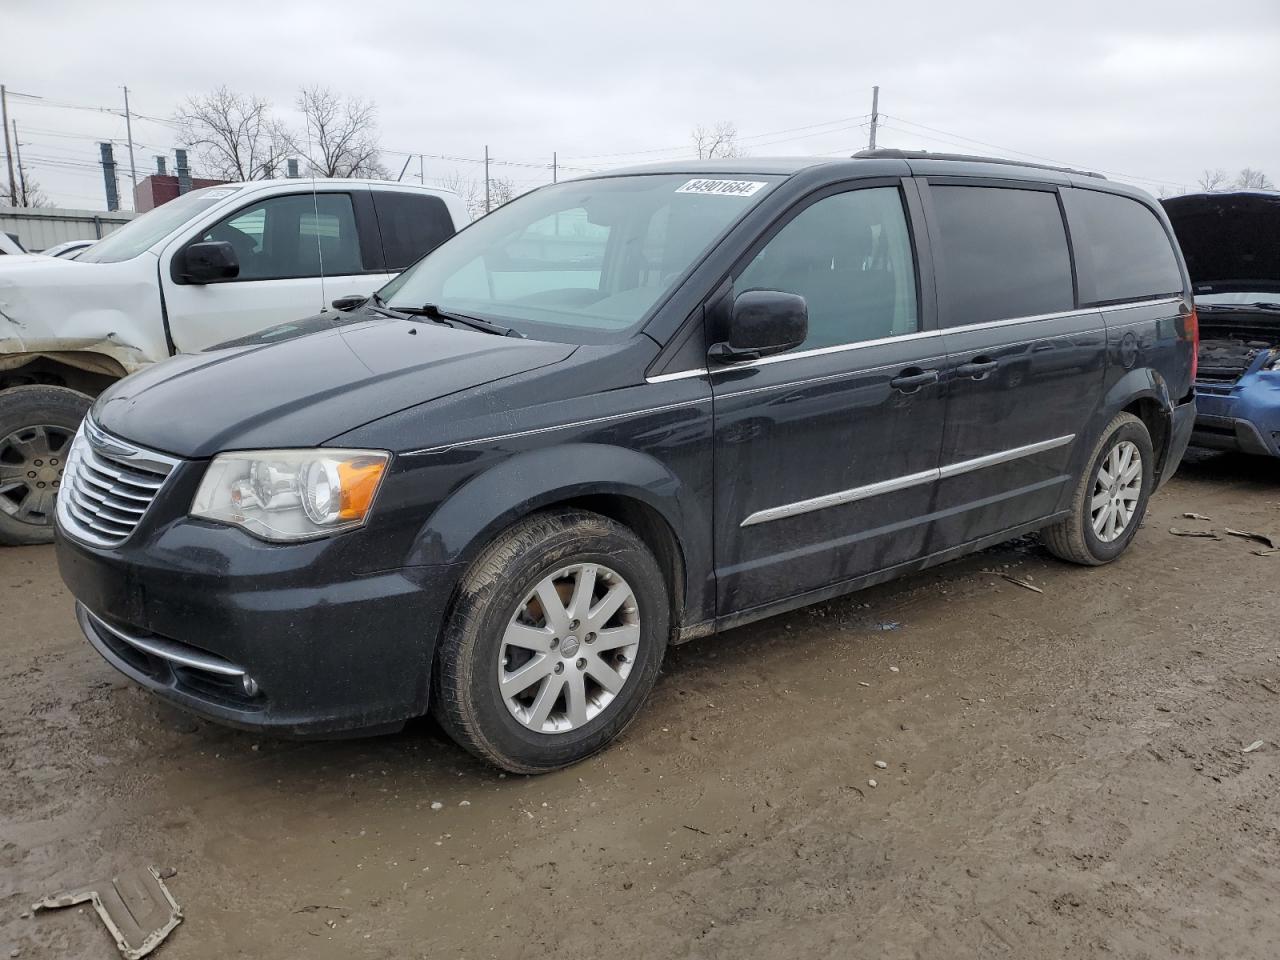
x,y
37,425
554,642
1110,500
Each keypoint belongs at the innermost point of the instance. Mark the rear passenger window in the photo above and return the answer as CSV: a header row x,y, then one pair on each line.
x,y
411,225
1003,254
1122,250
849,256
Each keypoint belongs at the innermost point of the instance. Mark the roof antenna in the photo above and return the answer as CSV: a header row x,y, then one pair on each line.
x,y
315,206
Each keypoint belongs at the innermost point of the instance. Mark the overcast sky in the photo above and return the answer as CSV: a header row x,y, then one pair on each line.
x,y
1151,89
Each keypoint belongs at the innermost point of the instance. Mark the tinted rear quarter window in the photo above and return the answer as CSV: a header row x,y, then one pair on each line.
x,y
411,225
1122,250
1002,254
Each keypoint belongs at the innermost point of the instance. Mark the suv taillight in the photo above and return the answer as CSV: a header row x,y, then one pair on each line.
x,y
1189,329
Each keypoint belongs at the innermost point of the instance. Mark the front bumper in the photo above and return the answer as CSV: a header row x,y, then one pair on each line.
x,y
1244,417
261,636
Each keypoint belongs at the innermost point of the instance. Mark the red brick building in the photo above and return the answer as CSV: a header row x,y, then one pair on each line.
x,y
161,188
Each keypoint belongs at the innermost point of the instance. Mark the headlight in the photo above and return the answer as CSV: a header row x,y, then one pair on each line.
x,y
286,495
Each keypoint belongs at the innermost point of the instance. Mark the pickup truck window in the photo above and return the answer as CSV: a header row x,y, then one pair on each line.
x,y
145,231
293,236
411,224
583,261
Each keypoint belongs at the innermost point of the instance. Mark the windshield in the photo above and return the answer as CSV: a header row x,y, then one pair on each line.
x,y
580,262
143,232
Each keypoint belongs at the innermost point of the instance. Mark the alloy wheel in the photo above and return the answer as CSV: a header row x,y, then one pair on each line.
x,y
31,464
1116,491
568,648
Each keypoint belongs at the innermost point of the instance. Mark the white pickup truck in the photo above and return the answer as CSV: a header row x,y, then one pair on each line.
x,y
213,265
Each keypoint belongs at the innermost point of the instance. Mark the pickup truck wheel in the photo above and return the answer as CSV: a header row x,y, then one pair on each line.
x,y
37,425
554,642
1111,498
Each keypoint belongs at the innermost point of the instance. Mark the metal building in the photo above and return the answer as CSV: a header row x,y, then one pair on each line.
x,y
42,227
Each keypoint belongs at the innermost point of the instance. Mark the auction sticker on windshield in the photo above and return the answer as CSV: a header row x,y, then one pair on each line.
x,y
727,188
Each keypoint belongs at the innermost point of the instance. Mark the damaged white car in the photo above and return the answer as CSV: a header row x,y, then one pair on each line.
x,y
213,265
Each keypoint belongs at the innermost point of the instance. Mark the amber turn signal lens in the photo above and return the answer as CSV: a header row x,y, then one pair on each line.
x,y
360,481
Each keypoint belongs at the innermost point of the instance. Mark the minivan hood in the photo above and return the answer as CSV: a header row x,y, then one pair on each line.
x,y
291,387
1231,241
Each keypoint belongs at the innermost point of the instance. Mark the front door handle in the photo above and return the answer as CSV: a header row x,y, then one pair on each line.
x,y
912,379
977,368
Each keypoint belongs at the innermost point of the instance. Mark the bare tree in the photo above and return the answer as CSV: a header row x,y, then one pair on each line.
x,y
30,193
341,135
233,136
720,140
1211,180
501,190
1251,179
471,190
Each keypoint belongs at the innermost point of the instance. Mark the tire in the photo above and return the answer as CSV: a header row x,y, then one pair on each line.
x,y
499,599
1075,538
37,424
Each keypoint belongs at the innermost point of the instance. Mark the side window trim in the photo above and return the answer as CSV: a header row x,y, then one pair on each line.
x,y
926,296
802,204
1138,300
175,258
938,255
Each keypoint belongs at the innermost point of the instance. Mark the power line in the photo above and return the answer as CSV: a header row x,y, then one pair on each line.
x,y
1023,153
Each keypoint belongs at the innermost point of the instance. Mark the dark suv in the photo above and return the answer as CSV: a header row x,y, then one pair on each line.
x,y
622,412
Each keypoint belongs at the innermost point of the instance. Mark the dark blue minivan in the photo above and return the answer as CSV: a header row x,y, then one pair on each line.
x,y
622,412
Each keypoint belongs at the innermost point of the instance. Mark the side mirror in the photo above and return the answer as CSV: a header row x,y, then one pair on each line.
x,y
209,262
349,303
761,323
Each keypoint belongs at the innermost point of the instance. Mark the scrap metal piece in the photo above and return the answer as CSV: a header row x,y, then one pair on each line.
x,y
1207,534
1022,583
135,906
1269,540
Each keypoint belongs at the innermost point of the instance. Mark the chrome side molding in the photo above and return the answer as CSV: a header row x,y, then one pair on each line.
x,y
895,484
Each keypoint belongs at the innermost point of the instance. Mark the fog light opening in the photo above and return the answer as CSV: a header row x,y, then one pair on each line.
x,y
250,685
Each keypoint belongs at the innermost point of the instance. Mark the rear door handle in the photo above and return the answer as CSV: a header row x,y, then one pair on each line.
x,y
977,368
912,379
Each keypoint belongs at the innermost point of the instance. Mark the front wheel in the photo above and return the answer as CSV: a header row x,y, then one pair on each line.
x,y
1110,500
37,425
554,642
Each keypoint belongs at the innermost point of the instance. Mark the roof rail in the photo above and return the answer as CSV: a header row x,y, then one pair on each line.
x,y
892,154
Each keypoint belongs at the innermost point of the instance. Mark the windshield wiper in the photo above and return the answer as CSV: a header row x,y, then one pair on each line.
x,y
432,312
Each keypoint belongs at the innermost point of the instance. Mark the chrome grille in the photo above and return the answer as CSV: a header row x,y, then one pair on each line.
x,y
107,486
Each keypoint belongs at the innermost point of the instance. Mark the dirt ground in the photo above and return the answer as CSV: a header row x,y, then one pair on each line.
x,y
1065,778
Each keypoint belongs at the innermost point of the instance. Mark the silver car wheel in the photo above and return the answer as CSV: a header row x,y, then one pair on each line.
x,y
568,648
1116,491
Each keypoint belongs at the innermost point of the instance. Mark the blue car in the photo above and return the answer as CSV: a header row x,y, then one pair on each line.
x,y
1231,242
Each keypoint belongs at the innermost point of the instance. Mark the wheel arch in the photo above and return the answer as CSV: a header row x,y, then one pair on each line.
x,y
625,485
84,371
1145,394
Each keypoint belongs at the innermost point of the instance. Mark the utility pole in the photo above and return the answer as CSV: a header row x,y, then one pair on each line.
x,y
875,116
422,171
22,177
128,129
486,178
8,157
554,167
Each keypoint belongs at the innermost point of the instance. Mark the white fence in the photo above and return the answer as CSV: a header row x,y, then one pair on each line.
x,y
42,227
